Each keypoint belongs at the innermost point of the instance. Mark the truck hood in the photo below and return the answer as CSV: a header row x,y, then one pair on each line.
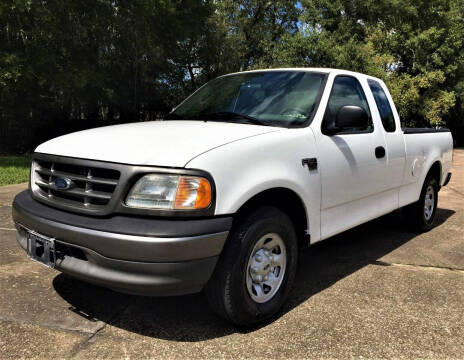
x,y
155,143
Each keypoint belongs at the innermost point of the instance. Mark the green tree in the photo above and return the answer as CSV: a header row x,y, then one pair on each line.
x,y
415,46
68,65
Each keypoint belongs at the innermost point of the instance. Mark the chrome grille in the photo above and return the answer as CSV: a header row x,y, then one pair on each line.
x,y
91,187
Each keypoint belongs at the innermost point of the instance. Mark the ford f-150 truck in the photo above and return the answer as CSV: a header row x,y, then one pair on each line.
x,y
221,194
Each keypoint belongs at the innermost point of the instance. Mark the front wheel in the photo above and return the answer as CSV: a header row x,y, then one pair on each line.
x,y
256,269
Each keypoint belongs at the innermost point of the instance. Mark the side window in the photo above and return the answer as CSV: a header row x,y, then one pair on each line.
x,y
346,90
385,110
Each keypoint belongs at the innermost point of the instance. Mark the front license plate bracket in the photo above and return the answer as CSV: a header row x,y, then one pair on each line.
x,y
41,249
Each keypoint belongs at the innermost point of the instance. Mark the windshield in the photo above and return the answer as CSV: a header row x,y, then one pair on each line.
x,y
276,98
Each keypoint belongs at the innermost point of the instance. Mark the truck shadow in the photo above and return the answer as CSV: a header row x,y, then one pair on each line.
x,y
188,318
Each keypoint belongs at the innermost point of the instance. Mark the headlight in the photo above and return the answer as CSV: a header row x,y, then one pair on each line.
x,y
170,192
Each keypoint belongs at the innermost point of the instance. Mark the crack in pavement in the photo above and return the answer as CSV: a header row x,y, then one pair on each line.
x,y
460,193
92,337
81,345
431,267
84,344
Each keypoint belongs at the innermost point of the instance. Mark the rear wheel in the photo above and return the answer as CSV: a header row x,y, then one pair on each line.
x,y
423,212
256,269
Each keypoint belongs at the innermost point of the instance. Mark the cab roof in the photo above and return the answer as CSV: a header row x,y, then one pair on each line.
x,y
309,69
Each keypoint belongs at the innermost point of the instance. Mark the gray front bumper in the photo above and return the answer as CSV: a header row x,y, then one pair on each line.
x,y
147,265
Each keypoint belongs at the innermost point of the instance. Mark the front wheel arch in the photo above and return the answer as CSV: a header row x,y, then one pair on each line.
x,y
285,200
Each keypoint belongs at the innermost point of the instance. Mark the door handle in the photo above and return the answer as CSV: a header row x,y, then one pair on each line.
x,y
379,152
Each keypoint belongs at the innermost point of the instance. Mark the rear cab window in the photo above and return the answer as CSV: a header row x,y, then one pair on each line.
x,y
383,105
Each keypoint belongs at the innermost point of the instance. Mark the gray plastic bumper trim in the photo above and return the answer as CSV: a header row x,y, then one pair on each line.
x,y
139,278
123,246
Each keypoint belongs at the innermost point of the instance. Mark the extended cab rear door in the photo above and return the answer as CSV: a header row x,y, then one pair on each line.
x,y
385,111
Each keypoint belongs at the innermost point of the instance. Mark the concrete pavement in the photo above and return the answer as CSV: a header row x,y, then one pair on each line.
x,y
377,291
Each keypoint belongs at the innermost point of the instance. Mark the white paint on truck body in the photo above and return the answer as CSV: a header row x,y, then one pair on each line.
x,y
155,143
349,187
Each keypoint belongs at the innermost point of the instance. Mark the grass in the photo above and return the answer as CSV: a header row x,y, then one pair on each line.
x,y
14,169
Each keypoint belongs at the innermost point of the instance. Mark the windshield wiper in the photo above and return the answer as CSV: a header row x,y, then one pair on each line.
x,y
231,115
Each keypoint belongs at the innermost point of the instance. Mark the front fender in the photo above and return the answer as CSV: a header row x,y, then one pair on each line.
x,y
245,168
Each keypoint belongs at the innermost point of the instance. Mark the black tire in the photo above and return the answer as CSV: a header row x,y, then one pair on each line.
x,y
416,214
227,291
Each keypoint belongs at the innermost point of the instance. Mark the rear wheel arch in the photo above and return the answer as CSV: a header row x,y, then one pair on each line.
x,y
435,172
415,212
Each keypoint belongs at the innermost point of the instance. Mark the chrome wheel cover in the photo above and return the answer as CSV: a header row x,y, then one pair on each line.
x,y
266,268
429,203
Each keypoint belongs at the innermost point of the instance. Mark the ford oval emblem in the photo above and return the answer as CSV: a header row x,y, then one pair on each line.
x,y
62,183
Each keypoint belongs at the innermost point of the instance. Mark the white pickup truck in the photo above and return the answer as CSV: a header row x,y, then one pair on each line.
x,y
221,194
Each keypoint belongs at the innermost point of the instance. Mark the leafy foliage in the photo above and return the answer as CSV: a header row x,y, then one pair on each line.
x,y
69,65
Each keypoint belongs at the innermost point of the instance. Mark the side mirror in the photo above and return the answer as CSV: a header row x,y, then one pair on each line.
x,y
351,117
348,117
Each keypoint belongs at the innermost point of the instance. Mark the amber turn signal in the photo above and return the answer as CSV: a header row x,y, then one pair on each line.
x,y
192,193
